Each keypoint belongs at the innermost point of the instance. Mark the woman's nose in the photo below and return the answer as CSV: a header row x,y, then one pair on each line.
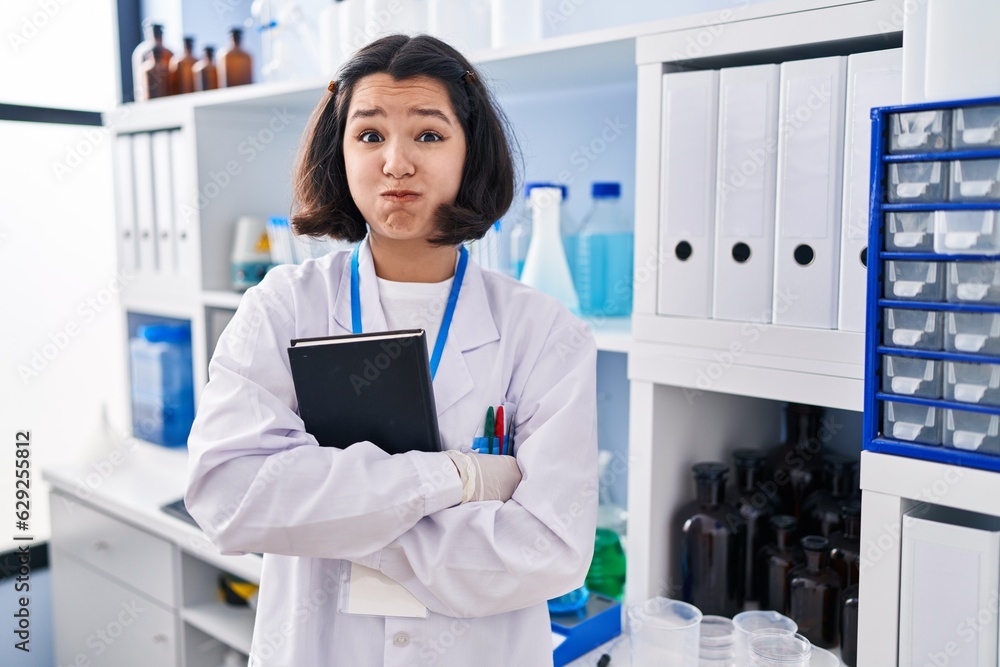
x,y
398,160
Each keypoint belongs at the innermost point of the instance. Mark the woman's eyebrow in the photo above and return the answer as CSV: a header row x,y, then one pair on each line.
x,y
416,111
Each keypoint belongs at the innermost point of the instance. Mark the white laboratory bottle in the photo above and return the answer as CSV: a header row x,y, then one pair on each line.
x,y
465,24
330,52
352,27
516,22
545,267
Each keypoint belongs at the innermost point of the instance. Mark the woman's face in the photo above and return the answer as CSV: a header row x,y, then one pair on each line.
x,y
404,149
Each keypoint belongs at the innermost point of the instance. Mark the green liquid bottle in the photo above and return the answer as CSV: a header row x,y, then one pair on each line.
x,y
607,570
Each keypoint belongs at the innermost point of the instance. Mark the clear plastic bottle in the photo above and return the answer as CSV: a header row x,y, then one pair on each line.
x,y
162,384
519,233
545,267
602,256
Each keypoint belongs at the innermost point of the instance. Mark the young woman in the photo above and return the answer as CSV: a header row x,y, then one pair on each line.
x,y
407,155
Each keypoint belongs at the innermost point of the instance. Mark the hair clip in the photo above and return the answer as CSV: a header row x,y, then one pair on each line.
x,y
332,87
469,77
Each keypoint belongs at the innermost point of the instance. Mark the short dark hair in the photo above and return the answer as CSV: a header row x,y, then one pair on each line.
x,y
322,202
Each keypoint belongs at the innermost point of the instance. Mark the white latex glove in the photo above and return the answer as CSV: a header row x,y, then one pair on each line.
x,y
486,476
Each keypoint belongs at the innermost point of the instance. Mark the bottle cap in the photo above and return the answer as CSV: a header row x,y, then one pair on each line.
x,y
602,190
753,459
784,522
528,187
710,470
165,333
815,543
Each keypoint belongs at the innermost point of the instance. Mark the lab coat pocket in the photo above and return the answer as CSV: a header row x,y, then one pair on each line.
x,y
485,439
367,592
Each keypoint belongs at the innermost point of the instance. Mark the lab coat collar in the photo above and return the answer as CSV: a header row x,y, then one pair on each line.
x,y
471,327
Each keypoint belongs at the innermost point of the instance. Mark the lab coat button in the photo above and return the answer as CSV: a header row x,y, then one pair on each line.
x,y
401,639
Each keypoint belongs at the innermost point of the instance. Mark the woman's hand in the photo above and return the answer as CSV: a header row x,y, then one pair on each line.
x,y
486,476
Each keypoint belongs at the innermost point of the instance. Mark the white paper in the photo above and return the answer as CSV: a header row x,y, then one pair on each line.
x,y
373,594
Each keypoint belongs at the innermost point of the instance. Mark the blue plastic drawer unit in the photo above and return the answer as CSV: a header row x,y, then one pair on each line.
x,y
932,380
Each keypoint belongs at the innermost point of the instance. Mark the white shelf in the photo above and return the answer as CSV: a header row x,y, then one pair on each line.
x,y
233,626
929,481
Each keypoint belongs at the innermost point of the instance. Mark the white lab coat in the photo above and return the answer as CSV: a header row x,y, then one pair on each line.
x,y
259,483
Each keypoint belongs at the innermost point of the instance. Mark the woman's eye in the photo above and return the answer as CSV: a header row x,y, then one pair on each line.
x,y
369,137
429,137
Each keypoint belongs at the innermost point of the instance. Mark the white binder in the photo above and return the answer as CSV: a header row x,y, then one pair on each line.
x,y
745,193
163,201
810,171
128,248
145,218
874,79
948,588
184,193
687,193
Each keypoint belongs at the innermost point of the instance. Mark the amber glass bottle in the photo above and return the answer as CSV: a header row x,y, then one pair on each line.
x,y
794,465
845,546
156,73
814,594
206,75
711,545
849,626
821,509
144,65
775,561
756,507
235,66
182,69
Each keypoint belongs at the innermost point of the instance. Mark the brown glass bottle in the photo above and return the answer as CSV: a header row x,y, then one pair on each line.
x,y
206,75
814,594
711,545
144,54
235,65
156,73
849,626
775,561
182,70
794,465
845,546
821,509
755,507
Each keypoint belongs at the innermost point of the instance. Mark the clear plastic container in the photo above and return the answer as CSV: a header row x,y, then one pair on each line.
x,y
520,228
975,180
973,282
976,127
914,281
717,642
778,648
917,329
820,657
664,632
919,131
967,232
602,259
907,376
975,333
909,231
162,384
745,623
972,431
972,383
911,423
909,182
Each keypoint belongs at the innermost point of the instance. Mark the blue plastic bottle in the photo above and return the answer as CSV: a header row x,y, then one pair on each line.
x,y
603,263
519,233
162,384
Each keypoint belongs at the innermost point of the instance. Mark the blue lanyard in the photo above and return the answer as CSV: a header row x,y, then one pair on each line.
x,y
449,311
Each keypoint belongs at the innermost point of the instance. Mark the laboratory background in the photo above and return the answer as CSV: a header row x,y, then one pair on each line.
x,y
780,219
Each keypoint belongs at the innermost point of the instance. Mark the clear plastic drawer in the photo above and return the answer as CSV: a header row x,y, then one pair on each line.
x,y
975,333
973,282
975,180
909,182
910,231
972,431
911,423
918,281
969,232
976,127
917,329
972,383
907,376
919,131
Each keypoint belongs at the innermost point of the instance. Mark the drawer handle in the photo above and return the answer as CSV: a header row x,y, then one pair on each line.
x,y
160,639
101,545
